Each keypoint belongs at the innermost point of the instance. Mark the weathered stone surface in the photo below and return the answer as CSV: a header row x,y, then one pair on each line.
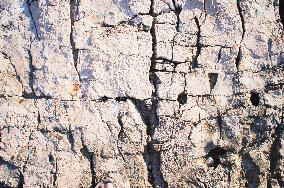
x,y
144,93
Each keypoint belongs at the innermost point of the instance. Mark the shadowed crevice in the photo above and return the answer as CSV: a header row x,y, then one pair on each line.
x,y
151,156
120,138
275,155
31,72
252,171
177,11
194,63
12,167
281,11
90,157
255,98
29,3
213,156
213,77
74,11
239,55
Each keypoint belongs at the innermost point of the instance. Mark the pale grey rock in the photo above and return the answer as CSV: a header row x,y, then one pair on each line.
x,y
111,57
144,93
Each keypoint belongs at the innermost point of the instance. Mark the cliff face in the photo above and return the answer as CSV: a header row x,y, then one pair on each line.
x,y
145,93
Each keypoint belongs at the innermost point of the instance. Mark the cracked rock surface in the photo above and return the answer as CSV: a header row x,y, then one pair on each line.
x,y
144,93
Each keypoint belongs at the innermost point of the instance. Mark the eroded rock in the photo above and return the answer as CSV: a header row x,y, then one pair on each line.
x,y
144,93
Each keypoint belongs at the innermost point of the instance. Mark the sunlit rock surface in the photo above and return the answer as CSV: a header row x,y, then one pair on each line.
x,y
144,93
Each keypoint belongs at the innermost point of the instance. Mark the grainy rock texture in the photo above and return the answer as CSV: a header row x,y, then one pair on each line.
x,y
145,93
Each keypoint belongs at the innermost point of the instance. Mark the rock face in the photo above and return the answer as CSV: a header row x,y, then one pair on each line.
x,y
144,93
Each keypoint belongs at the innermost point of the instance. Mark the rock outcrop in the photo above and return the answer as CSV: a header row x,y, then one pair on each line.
x,y
145,93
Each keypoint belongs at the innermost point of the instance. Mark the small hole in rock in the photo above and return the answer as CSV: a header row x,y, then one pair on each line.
x,y
182,98
213,156
213,77
50,158
194,63
254,98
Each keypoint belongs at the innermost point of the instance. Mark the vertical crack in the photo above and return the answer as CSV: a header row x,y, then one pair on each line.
x,y
55,174
239,56
143,109
242,18
29,3
251,170
281,11
31,73
38,119
21,180
71,139
90,156
194,63
220,54
26,160
152,157
238,59
74,11
121,136
219,123
213,78
177,10
205,10
14,67
269,48
17,76
274,154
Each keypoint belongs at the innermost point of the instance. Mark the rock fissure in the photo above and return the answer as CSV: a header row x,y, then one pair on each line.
x,y
275,155
14,67
120,137
198,45
29,4
90,157
31,73
55,174
74,11
239,55
281,11
177,11
152,158
152,93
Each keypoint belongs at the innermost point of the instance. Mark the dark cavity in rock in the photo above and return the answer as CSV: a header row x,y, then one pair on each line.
x,y
213,77
213,156
182,98
281,11
254,98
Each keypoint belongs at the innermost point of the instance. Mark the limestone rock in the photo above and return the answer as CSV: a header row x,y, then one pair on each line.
x,y
143,93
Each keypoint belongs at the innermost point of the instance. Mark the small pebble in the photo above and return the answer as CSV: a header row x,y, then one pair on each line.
x,y
209,162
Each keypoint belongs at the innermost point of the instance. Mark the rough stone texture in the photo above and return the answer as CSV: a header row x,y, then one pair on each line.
x,y
145,93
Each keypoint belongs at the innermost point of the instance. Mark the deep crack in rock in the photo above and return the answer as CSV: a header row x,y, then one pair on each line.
x,y
194,63
29,4
160,93
74,4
